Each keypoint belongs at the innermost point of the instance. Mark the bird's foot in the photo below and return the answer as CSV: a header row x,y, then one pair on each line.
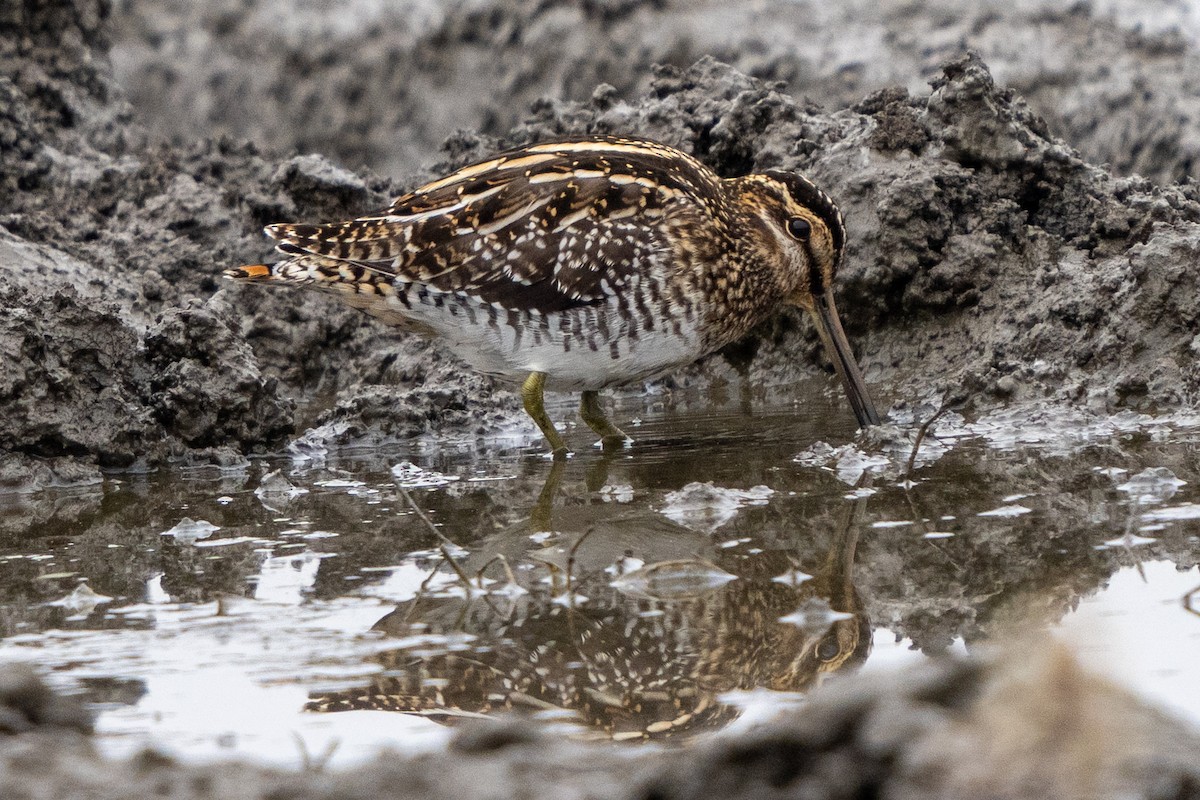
x,y
558,454
611,437
612,443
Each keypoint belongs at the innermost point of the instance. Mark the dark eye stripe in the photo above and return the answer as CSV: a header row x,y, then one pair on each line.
x,y
816,281
806,193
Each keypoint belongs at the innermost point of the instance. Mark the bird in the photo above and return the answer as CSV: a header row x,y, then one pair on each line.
x,y
583,263
635,666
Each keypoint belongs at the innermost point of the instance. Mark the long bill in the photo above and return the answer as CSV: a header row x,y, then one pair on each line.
x,y
829,326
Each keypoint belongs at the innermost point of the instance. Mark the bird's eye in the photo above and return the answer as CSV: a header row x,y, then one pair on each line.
x,y
799,228
828,648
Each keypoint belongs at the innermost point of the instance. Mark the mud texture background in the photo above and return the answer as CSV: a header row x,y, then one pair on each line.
x,y
984,250
1023,223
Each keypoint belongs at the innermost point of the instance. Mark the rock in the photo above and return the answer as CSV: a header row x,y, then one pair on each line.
x,y
26,703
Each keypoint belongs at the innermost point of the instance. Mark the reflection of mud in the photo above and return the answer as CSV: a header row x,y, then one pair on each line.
x,y
633,664
932,591
968,586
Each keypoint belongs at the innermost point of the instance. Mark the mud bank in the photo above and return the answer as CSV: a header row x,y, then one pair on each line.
x,y
983,251
385,85
953,729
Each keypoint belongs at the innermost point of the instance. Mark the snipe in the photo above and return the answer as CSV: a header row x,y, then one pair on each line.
x,y
576,265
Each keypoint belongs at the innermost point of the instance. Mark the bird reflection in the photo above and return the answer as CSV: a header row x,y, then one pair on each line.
x,y
633,658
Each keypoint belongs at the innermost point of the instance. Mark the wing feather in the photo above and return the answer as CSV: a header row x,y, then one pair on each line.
x,y
546,228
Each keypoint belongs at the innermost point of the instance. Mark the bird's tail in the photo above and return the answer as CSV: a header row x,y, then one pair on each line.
x,y
304,269
342,252
251,273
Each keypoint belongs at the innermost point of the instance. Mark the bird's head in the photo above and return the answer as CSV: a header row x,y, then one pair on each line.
x,y
804,239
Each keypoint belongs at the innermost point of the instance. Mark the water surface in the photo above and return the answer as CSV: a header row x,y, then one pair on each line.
x,y
689,586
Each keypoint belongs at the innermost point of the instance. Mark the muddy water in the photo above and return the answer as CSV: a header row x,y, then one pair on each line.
x,y
696,583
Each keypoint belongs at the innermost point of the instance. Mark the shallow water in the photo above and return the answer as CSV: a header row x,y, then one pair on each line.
x,y
693,584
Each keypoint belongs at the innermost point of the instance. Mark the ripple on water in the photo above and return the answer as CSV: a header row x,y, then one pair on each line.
x,y
724,545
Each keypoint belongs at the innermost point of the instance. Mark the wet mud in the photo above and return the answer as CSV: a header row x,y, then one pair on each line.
x,y
944,731
1022,223
984,253
705,619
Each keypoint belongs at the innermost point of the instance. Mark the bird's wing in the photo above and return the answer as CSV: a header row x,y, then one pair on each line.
x,y
537,229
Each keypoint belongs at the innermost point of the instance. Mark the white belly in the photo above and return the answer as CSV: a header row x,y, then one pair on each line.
x,y
581,349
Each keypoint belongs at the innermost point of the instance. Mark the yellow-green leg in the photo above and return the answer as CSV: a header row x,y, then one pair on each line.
x,y
541,516
589,409
535,407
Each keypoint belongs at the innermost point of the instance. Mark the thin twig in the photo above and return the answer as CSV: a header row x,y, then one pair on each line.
x,y
462,576
512,578
571,558
445,541
1187,601
479,572
310,764
508,572
421,590
424,587
947,404
425,518
921,432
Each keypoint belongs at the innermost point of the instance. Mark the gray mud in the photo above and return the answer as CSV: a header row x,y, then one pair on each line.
x,y
1116,79
983,250
1021,245
952,729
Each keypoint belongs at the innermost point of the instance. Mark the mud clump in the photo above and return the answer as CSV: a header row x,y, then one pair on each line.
x,y
81,382
205,386
27,703
66,389
382,415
